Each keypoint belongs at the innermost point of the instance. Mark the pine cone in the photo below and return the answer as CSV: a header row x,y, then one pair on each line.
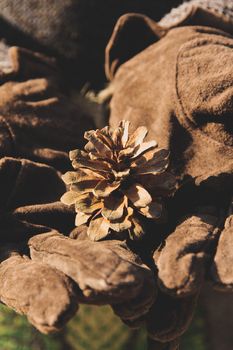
x,y
118,180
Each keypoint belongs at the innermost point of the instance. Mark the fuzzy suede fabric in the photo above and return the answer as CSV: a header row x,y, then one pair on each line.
x,y
76,269
38,121
105,271
28,191
222,265
33,288
75,31
169,317
37,125
180,88
185,254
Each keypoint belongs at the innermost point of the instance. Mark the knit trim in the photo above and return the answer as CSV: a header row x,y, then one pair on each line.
x,y
220,7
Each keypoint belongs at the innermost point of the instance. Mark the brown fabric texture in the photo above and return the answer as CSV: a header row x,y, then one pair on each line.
x,y
38,121
180,88
28,192
28,201
177,98
105,271
76,31
222,273
183,260
170,317
37,125
33,288
138,30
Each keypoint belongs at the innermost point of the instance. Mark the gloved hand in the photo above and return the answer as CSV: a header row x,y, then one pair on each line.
x,y
45,295
108,272
40,123
63,271
131,275
178,83
38,120
76,31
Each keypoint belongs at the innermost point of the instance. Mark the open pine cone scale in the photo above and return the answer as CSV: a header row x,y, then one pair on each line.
x,y
118,180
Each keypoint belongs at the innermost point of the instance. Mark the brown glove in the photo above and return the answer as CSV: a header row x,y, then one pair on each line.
x,y
104,272
41,124
199,248
180,88
28,191
34,116
76,31
38,121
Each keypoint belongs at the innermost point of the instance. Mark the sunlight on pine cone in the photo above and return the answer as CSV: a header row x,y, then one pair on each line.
x,y
119,180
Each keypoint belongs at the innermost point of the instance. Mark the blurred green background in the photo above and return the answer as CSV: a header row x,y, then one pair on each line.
x,y
93,328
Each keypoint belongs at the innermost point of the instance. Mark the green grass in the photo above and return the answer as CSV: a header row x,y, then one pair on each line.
x,y
94,328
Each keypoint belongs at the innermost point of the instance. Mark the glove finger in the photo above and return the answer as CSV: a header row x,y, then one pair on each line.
x,y
24,182
46,296
170,317
182,261
32,64
106,272
39,121
30,90
55,215
26,185
155,345
16,62
221,271
18,231
133,311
